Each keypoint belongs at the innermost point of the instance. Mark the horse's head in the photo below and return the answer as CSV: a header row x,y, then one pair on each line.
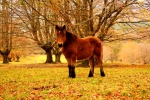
x,y
61,35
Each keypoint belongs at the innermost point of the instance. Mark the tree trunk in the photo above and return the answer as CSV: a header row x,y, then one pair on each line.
x,y
49,58
48,49
5,56
57,51
5,59
17,58
57,57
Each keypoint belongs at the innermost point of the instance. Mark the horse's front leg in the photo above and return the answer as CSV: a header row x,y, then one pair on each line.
x,y
71,71
71,67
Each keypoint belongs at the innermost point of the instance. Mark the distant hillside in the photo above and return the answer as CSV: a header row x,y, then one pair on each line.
x,y
130,25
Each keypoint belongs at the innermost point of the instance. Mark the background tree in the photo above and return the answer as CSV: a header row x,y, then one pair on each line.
x,y
107,51
36,19
98,17
115,49
102,18
34,16
6,17
144,53
130,52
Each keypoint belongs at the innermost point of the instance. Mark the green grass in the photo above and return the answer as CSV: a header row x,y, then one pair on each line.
x,y
48,83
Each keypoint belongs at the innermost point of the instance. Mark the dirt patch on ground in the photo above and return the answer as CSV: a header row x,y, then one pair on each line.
x,y
63,65
40,65
58,65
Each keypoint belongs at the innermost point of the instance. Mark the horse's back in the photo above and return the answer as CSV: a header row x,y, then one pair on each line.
x,y
93,40
96,44
88,46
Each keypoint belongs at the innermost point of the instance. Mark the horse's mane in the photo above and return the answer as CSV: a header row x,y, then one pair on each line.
x,y
70,37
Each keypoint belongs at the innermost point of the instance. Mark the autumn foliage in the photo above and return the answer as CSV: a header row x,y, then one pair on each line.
x,y
127,52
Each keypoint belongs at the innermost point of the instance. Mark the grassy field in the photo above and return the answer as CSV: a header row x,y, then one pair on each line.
x,y
51,82
30,79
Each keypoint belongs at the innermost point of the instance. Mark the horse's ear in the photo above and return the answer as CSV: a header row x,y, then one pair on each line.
x,y
56,27
64,27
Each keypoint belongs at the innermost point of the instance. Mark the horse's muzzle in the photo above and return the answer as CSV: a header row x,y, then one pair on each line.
x,y
60,45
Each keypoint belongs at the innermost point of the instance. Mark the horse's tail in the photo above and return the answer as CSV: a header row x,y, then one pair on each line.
x,y
101,65
101,52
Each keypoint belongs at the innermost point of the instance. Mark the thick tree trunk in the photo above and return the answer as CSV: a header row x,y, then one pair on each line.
x,y
5,56
57,57
5,59
49,58
48,49
57,52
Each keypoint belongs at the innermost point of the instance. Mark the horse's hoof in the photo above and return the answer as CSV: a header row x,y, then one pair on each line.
x,y
90,75
73,76
103,74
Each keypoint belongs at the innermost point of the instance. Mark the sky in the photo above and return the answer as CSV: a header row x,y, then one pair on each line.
x,y
141,0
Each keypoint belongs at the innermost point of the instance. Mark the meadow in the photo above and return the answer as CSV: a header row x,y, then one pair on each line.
x,y
51,82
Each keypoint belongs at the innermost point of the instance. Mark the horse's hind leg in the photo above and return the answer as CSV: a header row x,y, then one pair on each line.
x,y
101,70
70,70
101,66
91,63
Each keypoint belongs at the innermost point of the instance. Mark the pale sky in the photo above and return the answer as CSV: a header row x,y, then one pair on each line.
x,y
141,0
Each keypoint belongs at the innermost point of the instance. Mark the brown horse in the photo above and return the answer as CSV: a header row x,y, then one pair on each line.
x,y
75,48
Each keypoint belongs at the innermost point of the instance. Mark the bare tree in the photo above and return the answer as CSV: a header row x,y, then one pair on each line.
x,y
130,52
107,51
144,52
6,30
83,17
115,49
102,17
34,16
98,17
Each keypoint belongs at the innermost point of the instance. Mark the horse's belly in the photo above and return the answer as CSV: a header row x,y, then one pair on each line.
x,y
85,54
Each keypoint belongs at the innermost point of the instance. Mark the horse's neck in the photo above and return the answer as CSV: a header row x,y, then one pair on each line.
x,y
71,36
